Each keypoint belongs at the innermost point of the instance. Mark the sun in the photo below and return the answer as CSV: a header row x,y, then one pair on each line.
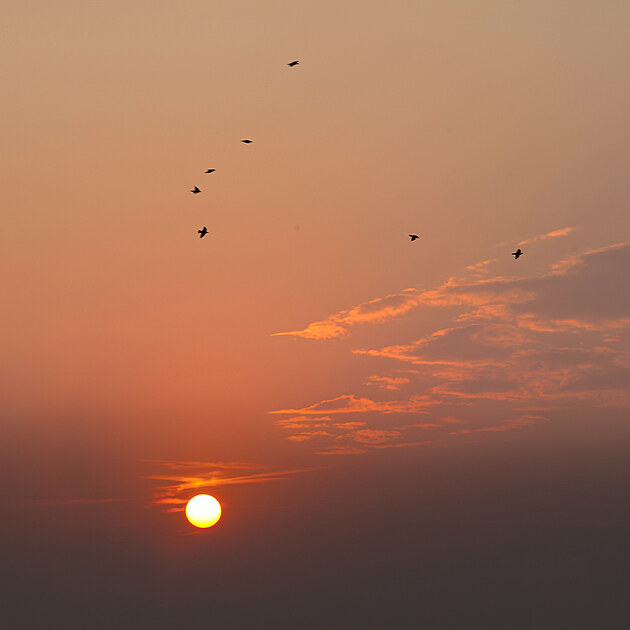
x,y
203,510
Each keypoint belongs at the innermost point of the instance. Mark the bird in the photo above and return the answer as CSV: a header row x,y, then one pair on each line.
x,y
517,253
195,190
203,232
413,237
211,170
247,141
293,63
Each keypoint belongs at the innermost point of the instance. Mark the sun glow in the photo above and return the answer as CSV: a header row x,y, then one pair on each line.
x,y
203,510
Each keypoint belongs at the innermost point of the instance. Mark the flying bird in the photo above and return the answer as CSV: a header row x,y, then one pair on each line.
x,y
211,170
517,253
246,141
293,63
195,190
413,237
203,232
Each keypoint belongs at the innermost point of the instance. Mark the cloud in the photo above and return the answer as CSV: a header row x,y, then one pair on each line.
x,y
374,311
507,347
349,403
303,422
66,502
472,344
387,382
308,435
543,237
395,305
583,291
481,267
508,425
563,292
188,477
374,436
341,450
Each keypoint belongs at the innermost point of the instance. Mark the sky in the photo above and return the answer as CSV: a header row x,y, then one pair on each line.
x,y
428,434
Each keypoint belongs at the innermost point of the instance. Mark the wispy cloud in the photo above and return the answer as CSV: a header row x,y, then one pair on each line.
x,y
541,237
180,479
387,382
349,403
308,435
511,346
69,502
395,305
544,237
374,311
508,425
481,267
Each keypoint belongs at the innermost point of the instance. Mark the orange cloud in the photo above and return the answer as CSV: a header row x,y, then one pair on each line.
x,y
511,346
481,267
488,296
349,403
543,237
302,437
387,382
373,436
187,477
303,422
509,425
374,311
342,450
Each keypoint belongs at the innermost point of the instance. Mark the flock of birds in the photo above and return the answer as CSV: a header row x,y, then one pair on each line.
x,y
196,190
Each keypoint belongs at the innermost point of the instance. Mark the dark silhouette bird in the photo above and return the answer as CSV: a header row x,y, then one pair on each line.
x,y
203,232
517,253
293,63
211,170
246,141
413,237
195,190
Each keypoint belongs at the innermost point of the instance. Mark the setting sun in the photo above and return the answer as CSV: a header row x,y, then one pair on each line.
x,y
203,510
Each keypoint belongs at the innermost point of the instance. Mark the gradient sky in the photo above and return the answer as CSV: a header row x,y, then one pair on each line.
x,y
425,434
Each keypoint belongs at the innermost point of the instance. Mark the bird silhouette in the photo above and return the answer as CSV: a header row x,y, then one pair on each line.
x,y
203,232
246,141
195,190
293,63
517,253
211,170
413,237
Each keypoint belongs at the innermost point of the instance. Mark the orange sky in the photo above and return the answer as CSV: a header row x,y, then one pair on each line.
x,y
305,324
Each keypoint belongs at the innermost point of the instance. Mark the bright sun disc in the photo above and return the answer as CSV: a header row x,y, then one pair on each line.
x,y
203,510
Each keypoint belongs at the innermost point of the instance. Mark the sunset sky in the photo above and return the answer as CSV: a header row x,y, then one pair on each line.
x,y
401,435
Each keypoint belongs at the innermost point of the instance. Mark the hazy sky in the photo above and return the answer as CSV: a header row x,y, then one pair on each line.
x,y
425,434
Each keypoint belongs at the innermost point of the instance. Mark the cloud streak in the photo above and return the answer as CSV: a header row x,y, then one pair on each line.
x,y
543,237
499,296
181,479
509,346
375,311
